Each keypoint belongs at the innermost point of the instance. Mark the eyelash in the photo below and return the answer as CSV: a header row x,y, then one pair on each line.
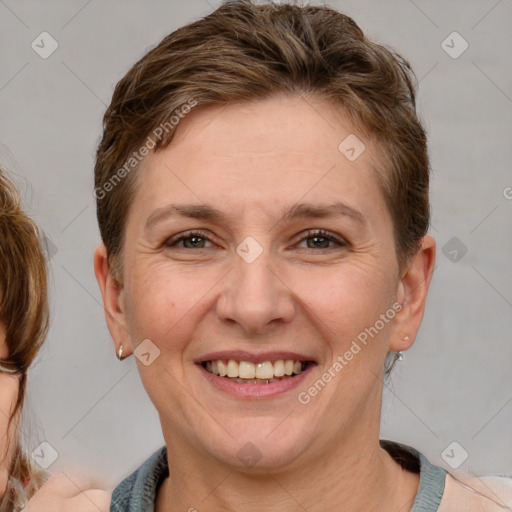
x,y
309,234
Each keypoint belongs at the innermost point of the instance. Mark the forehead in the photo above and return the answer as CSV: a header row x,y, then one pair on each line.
x,y
290,127
268,152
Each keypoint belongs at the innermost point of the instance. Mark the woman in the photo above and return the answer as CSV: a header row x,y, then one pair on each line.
x,y
23,329
262,196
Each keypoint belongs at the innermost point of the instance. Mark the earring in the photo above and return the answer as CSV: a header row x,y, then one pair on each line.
x,y
399,356
120,353
406,338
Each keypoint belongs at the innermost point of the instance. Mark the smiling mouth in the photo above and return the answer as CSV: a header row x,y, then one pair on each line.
x,y
266,372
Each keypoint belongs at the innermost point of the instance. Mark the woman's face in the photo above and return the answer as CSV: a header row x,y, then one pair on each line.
x,y
8,395
256,237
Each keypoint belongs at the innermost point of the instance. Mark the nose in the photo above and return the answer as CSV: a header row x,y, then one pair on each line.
x,y
255,297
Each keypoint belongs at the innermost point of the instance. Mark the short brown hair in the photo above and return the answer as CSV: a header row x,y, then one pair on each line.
x,y
23,304
244,52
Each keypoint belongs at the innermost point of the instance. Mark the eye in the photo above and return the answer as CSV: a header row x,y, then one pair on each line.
x,y
9,368
320,239
190,240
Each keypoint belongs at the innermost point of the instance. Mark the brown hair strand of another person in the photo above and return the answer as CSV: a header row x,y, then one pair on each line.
x,y
23,309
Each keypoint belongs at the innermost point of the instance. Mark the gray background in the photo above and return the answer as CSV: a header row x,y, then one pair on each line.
x,y
454,385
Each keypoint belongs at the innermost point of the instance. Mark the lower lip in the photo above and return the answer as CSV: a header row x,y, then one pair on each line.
x,y
256,391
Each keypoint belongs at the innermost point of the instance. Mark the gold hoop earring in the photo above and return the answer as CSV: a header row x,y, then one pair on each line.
x,y
120,353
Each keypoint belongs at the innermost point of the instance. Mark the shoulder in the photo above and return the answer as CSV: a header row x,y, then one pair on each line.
x,y
452,492
64,492
471,493
138,491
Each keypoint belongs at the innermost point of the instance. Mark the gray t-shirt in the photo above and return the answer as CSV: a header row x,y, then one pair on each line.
x,y
137,493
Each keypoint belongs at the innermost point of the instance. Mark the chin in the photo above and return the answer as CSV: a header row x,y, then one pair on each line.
x,y
258,444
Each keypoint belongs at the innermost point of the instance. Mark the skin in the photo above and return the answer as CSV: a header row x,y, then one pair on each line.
x,y
8,396
61,493
251,161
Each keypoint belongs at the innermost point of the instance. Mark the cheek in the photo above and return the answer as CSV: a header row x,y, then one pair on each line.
x,y
346,301
162,301
8,396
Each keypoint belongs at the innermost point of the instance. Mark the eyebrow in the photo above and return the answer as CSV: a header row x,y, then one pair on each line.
x,y
193,211
301,210
304,210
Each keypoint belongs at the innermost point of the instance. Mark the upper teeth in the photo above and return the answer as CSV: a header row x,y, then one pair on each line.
x,y
248,370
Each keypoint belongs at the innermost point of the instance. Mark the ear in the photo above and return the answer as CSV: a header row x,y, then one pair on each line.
x,y
113,301
412,294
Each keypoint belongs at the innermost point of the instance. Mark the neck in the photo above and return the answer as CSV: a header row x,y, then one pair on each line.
x,y
328,481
